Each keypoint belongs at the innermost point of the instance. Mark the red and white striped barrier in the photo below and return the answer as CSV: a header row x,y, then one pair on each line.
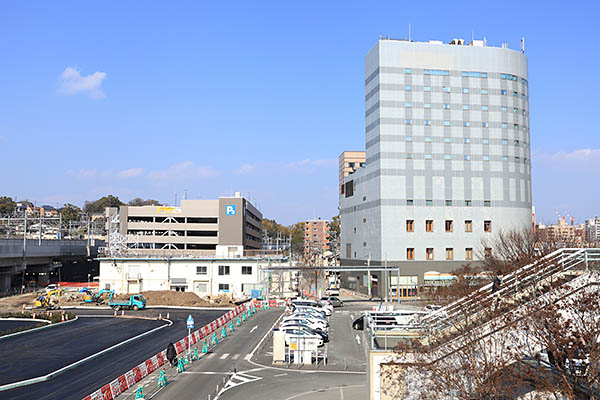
x,y
130,378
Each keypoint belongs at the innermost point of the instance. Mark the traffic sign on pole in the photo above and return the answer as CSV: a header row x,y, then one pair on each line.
x,y
190,322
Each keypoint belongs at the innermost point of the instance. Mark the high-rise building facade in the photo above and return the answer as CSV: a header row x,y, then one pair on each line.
x,y
447,155
316,237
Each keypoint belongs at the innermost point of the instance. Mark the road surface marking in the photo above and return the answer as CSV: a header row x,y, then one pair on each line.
x,y
341,394
224,356
248,357
204,373
358,338
210,355
235,356
278,375
253,329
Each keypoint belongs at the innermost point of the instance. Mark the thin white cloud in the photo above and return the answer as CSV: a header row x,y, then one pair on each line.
x,y
184,170
578,155
130,173
246,169
83,173
72,82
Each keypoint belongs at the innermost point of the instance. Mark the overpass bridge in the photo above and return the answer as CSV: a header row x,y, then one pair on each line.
x,y
19,256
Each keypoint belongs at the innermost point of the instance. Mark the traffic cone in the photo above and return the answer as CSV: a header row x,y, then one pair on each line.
x,y
122,313
62,318
168,316
23,310
160,316
115,313
33,316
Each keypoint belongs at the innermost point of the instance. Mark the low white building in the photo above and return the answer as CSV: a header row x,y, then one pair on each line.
x,y
203,276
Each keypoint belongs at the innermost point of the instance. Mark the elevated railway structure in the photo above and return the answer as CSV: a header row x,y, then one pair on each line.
x,y
19,256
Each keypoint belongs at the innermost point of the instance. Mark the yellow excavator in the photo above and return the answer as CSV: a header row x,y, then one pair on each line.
x,y
49,300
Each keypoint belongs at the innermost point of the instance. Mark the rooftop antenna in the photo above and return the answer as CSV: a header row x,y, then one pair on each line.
x,y
409,36
523,44
175,200
472,35
185,194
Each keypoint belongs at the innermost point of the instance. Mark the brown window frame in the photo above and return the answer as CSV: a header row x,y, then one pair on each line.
x,y
429,255
428,225
487,226
468,253
468,225
449,253
410,253
449,225
410,225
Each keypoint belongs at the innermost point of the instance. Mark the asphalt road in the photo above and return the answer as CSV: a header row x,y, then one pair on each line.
x,y
81,381
39,353
256,379
12,325
200,381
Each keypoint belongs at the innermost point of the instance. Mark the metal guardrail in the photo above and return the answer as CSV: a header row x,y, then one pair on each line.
x,y
525,278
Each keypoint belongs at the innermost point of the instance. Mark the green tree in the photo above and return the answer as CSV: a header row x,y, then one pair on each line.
x,y
297,231
273,229
333,236
98,206
141,202
70,213
7,205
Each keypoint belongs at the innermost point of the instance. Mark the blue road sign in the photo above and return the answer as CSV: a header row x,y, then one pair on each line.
x,y
230,210
190,322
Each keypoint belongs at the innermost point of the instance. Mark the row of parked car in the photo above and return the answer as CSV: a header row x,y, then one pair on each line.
x,y
307,318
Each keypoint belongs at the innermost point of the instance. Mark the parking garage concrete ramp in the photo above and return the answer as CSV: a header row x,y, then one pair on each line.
x,y
39,353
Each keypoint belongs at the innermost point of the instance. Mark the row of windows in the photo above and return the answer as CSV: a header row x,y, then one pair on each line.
x,y
450,203
353,164
468,140
465,107
467,124
511,77
449,225
429,253
468,74
223,270
467,157
446,89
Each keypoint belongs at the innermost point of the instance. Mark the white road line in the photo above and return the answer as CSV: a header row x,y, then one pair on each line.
x,y
278,375
224,356
341,394
357,339
205,373
248,357
235,356
253,329
210,355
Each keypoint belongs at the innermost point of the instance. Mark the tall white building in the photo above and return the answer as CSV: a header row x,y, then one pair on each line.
x,y
592,230
447,155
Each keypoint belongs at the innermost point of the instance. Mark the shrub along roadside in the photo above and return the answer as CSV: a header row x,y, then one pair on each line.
x,y
53,317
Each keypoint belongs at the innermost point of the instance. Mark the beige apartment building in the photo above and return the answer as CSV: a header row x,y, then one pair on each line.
x,y
316,233
349,162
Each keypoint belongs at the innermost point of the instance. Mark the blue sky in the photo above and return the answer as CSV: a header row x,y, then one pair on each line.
x,y
150,99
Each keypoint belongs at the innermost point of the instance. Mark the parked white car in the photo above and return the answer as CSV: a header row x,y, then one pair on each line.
x,y
309,316
301,321
295,331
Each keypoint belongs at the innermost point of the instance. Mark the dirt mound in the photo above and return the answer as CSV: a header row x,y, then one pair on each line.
x,y
15,303
183,299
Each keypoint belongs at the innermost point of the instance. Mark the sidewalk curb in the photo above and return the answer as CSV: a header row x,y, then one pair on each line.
x,y
50,325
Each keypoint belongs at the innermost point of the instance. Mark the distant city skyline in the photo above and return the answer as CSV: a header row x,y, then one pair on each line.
x,y
149,101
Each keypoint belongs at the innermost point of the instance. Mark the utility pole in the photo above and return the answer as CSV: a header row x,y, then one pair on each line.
x,y
40,230
369,275
24,252
386,278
